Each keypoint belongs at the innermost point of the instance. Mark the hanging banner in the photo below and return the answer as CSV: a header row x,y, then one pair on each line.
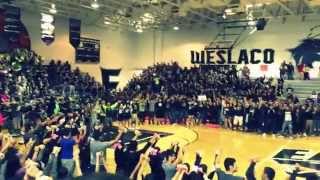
x,y
74,32
107,75
12,24
13,33
47,28
88,51
2,20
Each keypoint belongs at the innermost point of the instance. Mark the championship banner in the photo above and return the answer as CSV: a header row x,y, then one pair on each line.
x,y
47,28
74,32
88,51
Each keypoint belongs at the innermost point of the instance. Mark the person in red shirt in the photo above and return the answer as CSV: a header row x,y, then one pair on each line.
x,y
2,120
301,70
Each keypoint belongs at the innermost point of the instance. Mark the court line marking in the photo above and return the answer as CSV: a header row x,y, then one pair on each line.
x,y
273,153
195,139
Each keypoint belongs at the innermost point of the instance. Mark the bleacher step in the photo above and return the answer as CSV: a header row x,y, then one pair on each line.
x,y
303,89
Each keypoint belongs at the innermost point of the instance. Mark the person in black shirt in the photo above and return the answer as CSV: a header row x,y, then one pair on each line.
x,y
160,111
16,115
155,162
228,116
251,117
200,113
134,114
119,158
230,167
215,110
270,119
290,71
50,140
238,117
280,87
262,112
127,113
316,117
51,106
309,121
298,120
275,125
132,155
267,174
191,112
184,111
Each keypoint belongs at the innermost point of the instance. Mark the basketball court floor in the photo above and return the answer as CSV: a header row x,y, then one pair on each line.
x,y
279,153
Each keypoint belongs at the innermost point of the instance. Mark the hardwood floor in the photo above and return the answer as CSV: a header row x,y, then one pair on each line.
x,y
242,146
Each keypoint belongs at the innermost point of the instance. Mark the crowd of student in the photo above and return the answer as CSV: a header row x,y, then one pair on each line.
x,y
167,93
287,71
60,126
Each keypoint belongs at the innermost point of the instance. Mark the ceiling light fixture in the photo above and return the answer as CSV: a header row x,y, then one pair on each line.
x,y
95,4
147,15
147,18
228,11
53,9
176,28
249,6
252,23
253,30
224,16
259,5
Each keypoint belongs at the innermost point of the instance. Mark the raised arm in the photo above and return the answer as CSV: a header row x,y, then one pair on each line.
x,y
117,138
140,165
52,166
35,153
97,167
250,174
144,163
151,143
198,159
83,132
3,166
216,162
181,170
179,156
104,164
29,148
7,141
136,135
217,157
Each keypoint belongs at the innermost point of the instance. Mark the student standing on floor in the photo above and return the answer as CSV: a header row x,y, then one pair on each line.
x,y
317,120
309,121
287,124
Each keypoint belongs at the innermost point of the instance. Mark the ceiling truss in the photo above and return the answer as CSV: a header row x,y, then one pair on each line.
x,y
165,14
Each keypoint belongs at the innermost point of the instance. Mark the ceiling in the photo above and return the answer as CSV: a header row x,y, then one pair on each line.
x,y
136,15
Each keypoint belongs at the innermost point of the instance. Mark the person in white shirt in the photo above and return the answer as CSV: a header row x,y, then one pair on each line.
x,y
287,123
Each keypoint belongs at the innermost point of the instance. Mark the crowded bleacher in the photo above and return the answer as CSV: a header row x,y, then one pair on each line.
x,y
47,110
